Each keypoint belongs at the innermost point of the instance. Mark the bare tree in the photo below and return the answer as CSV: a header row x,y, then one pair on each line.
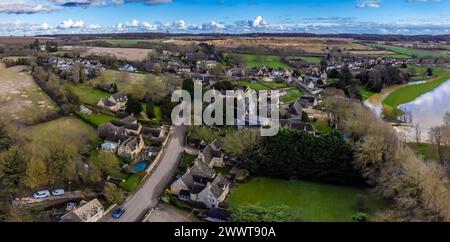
x,y
436,138
417,132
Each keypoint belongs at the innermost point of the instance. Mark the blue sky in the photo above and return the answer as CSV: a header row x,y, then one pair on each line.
x,y
19,17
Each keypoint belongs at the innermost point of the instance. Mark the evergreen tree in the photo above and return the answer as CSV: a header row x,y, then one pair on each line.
x,y
133,106
150,107
13,165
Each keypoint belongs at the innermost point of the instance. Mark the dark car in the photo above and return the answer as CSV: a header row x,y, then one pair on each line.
x,y
118,212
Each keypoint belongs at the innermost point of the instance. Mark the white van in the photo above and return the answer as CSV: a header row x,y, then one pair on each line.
x,y
58,192
41,194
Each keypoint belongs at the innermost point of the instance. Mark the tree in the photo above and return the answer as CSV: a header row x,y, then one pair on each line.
x,y
360,218
305,117
430,71
293,153
418,133
255,213
113,194
150,108
5,140
133,106
13,165
36,174
188,85
436,138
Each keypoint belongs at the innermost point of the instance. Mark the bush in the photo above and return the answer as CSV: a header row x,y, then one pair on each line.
x,y
360,218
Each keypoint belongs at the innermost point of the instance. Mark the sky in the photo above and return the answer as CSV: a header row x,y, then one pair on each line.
x,y
32,17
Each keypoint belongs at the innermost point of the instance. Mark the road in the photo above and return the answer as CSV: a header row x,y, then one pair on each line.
x,y
150,190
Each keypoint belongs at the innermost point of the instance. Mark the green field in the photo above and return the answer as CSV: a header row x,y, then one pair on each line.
x,y
253,85
96,119
291,96
67,129
313,201
138,84
270,61
310,59
410,52
364,92
409,93
89,95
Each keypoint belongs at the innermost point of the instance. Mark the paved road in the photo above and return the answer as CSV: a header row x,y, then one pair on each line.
x,y
148,193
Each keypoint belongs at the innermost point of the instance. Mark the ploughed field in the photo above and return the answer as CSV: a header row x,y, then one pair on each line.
x,y
21,99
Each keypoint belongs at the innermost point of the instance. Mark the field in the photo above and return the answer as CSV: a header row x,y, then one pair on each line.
x,y
364,92
96,119
313,201
309,45
291,96
129,54
123,42
410,52
409,93
21,99
270,61
88,95
310,59
67,129
24,40
138,84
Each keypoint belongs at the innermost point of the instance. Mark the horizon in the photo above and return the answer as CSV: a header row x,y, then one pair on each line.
x,y
50,17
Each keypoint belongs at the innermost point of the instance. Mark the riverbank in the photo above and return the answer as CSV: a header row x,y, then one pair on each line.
x,y
408,94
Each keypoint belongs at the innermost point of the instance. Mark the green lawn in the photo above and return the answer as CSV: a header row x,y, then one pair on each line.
x,y
275,85
96,119
89,95
364,92
291,96
253,85
156,111
323,126
133,182
411,52
409,93
428,151
314,201
66,129
270,61
186,162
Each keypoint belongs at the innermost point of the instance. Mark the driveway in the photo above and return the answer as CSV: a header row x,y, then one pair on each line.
x,y
148,193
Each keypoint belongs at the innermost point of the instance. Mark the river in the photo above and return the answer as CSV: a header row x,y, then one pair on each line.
x,y
427,110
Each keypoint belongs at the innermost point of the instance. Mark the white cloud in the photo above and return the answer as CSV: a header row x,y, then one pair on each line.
x,y
69,23
368,4
21,8
259,22
180,24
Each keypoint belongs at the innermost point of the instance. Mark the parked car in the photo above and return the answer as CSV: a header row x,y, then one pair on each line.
x,y
58,192
118,212
41,194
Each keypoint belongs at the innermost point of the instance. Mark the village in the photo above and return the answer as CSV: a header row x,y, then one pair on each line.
x,y
128,146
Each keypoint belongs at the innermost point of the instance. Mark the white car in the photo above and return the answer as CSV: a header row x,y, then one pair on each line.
x,y
58,192
41,194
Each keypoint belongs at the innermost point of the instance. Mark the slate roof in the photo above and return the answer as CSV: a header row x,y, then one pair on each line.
x,y
219,184
201,169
